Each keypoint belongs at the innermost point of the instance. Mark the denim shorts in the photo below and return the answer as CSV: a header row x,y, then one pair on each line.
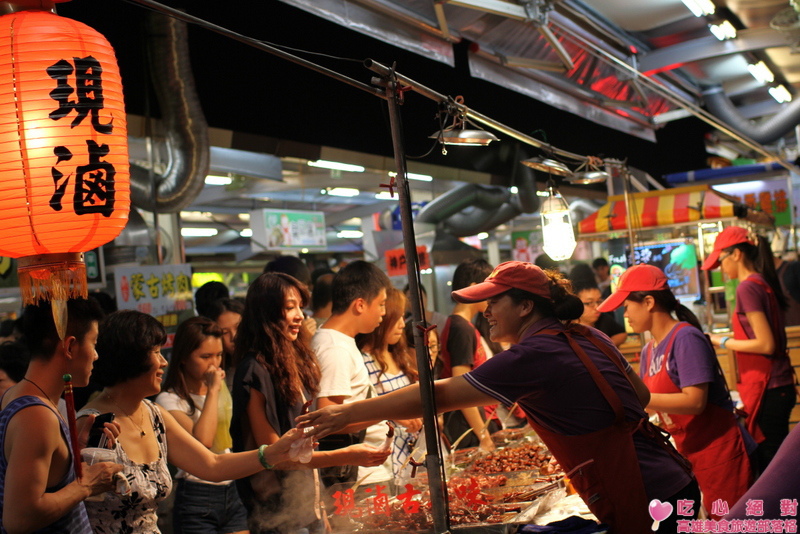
x,y
207,508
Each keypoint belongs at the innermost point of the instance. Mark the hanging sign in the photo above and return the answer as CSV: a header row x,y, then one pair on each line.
x,y
396,260
287,230
163,291
769,196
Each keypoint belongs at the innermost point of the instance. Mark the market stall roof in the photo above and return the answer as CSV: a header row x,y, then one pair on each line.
x,y
666,207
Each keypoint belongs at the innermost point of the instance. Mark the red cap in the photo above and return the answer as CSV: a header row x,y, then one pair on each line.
x,y
732,235
508,275
641,277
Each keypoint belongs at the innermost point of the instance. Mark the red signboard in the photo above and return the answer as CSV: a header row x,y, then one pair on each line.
x,y
396,260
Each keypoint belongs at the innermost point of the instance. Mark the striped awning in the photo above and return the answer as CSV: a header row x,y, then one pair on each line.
x,y
660,208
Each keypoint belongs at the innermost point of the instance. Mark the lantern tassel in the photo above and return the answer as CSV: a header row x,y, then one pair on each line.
x,y
53,277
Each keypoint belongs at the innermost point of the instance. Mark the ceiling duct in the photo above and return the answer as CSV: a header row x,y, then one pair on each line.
x,y
763,132
473,208
186,147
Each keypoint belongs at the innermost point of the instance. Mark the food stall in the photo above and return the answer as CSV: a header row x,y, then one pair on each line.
x,y
675,229
519,483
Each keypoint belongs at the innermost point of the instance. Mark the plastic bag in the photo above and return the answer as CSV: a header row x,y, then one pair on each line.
x,y
222,437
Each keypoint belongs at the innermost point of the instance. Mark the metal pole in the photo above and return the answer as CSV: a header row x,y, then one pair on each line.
x,y
433,458
626,187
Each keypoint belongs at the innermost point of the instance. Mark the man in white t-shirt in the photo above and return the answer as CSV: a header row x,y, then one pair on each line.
x,y
359,300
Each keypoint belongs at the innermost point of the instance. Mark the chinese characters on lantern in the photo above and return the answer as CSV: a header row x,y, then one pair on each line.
x,y
93,183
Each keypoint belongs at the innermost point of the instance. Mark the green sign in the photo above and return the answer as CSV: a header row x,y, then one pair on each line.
x,y
287,230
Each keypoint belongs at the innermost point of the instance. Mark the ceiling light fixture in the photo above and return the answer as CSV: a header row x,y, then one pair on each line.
x,y
199,232
700,8
336,166
557,231
781,94
589,172
247,232
761,72
385,195
415,176
343,191
350,234
723,30
218,180
458,133
547,165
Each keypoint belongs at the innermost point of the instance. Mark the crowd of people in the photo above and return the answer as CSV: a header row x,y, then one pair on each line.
x,y
310,384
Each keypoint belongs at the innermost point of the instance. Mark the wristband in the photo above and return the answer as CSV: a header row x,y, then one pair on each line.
x,y
723,341
262,460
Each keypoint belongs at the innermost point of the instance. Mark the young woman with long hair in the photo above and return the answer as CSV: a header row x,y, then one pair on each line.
x,y
687,388
766,380
277,377
391,366
193,390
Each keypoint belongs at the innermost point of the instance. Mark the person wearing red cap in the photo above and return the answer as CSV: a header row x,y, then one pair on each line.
x,y
687,388
765,378
577,390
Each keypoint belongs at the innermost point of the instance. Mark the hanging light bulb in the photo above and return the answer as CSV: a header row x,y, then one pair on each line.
x,y
557,231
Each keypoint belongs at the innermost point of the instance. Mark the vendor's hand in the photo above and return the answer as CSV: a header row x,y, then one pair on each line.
x,y
366,455
99,477
412,425
325,421
279,451
715,339
213,377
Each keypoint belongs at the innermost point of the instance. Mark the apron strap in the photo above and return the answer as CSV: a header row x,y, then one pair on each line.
x,y
605,388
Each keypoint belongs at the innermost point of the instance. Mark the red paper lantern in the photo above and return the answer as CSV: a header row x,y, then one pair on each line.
x,y
64,177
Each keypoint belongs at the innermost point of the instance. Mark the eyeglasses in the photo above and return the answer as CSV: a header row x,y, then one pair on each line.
x,y
726,255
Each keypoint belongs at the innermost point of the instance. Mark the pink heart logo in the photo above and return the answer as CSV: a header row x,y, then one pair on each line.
x,y
659,511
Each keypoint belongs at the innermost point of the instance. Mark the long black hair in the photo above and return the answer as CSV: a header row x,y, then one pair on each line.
x,y
760,256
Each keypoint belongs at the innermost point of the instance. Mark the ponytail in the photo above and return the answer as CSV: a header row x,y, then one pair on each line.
x,y
760,256
665,301
562,304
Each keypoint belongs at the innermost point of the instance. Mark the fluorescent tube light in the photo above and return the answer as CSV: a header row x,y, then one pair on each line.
x,y
335,165
723,31
350,234
218,180
247,232
415,176
761,72
385,195
781,94
344,191
198,232
700,8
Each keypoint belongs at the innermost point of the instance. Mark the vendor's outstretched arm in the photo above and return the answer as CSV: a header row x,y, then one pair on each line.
x,y
451,394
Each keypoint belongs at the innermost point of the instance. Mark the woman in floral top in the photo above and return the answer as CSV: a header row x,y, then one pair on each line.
x,y
130,367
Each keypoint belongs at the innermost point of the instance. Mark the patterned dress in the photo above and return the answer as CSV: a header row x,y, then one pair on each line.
x,y
151,483
404,441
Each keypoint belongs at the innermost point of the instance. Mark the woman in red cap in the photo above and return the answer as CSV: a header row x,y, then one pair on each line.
x,y
578,393
687,388
765,378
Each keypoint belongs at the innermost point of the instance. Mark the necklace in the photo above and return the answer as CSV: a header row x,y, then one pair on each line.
x,y
139,425
46,396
